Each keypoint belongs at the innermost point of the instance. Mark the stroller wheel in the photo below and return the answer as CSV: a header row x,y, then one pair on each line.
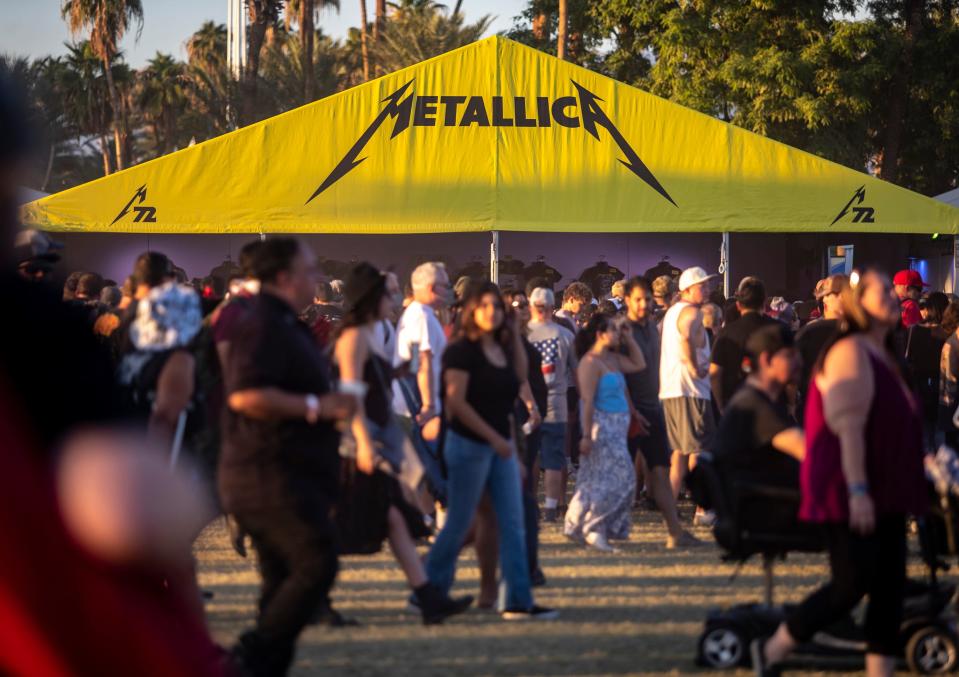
x,y
932,651
722,647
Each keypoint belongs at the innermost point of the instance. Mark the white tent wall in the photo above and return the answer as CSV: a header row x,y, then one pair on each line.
x,y
790,264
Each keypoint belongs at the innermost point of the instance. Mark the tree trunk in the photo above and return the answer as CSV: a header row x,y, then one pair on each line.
x,y
105,152
119,133
380,19
561,31
307,34
258,26
363,48
158,138
913,13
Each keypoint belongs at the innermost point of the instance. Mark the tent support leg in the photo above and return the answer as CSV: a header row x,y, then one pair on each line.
x,y
955,263
494,258
724,264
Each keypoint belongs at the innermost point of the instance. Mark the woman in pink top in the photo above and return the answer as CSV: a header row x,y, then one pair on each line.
x,y
862,475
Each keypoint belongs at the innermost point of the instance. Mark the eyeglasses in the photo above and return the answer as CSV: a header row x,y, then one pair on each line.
x,y
520,304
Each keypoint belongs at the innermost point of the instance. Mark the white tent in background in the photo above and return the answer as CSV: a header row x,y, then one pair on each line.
x,y
950,197
29,195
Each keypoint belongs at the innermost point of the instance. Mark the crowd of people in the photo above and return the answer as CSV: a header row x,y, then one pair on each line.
x,y
324,418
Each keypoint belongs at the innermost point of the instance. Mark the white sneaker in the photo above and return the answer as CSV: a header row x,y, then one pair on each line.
x,y
598,542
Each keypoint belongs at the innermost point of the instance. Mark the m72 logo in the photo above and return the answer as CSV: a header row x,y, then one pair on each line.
x,y
579,111
143,214
861,214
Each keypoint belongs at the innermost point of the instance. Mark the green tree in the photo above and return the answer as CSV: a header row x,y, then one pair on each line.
x,y
263,14
304,13
106,22
206,48
420,29
283,70
161,99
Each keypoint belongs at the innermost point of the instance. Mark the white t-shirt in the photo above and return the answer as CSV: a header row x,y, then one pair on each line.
x,y
419,330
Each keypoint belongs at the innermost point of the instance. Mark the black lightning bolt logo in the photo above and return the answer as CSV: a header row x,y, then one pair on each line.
x,y
593,115
142,195
395,108
859,195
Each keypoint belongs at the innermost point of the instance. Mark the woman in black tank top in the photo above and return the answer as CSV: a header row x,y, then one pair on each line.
x,y
371,507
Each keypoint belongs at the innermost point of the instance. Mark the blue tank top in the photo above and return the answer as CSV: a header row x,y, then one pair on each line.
x,y
611,393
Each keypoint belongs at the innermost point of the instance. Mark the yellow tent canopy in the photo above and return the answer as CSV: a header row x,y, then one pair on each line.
x,y
491,136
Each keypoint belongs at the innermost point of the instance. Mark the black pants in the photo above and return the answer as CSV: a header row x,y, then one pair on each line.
x,y
873,565
296,550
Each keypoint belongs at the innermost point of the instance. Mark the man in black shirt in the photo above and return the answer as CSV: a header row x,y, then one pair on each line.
x,y
812,338
279,469
757,442
726,364
652,442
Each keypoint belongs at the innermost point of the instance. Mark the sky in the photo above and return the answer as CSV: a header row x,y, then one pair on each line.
x,y
34,28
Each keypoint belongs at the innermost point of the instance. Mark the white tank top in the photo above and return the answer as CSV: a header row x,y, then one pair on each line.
x,y
674,378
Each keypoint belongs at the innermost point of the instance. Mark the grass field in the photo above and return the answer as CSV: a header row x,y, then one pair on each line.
x,y
638,612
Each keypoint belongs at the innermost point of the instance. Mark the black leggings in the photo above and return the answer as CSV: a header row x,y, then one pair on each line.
x,y
873,565
297,554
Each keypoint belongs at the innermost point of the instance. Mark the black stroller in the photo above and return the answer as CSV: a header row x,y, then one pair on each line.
x,y
760,520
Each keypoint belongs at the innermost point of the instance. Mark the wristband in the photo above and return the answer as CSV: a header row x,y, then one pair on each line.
x,y
858,489
312,409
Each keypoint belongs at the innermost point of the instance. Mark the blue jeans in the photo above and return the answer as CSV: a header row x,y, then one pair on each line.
x,y
473,467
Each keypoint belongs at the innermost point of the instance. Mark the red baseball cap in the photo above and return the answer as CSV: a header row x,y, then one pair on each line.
x,y
909,278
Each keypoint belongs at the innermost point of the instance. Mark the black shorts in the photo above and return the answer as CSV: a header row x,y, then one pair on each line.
x,y
654,446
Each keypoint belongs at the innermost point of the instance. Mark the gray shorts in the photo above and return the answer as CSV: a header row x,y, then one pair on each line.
x,y
689,424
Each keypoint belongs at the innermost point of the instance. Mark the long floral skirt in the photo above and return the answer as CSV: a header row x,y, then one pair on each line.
x,y
605,482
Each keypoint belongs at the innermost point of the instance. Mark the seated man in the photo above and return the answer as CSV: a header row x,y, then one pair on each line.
x,y
757,442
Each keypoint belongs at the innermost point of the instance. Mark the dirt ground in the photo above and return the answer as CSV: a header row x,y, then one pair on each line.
x,y
638,612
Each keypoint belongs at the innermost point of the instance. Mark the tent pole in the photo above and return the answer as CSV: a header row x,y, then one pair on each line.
x,y
955,263
724,264
494,258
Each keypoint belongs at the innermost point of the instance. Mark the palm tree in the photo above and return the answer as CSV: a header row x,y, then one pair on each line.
x,y
107,21
561,31
282,67
304,12
83,90
380,21
207,47
420,29
161,98
263,14
364,49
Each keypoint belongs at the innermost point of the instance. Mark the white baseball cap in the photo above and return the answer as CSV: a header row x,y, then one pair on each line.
x,y
693,276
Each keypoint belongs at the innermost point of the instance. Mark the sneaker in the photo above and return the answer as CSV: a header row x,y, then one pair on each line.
x,y
537,579
760,667
707,518
413,604
534,613
549,515
684,540
598,542
436,606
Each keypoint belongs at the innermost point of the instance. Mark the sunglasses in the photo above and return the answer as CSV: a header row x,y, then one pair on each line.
x,y
520,304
